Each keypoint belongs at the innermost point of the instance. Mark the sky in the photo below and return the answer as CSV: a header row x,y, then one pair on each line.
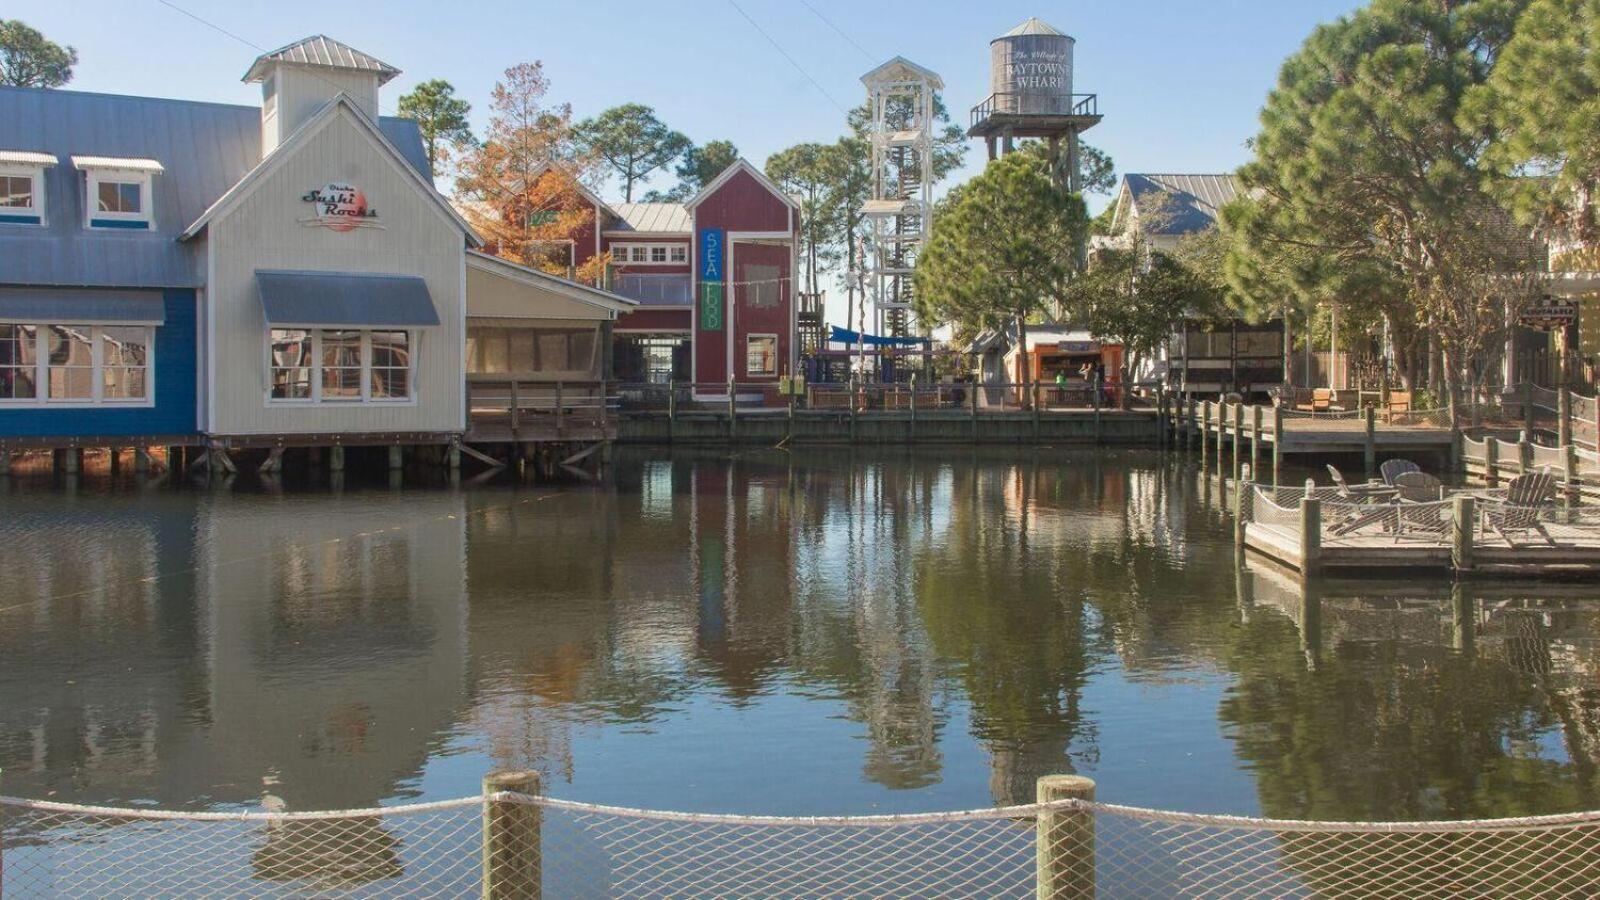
x,y
1179,81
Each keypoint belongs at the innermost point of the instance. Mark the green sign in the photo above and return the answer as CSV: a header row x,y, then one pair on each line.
x,y
711,307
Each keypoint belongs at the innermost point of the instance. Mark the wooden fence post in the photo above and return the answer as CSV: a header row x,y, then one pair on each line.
x,y
512,865
1255,437
1242,500
1204,424
1369,449
1310,534
1277,444
1491,460
1524,453
1222,431
1065,840
1461,530
1564,416
1238,438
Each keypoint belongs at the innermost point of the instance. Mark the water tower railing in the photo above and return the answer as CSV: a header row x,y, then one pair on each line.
x,y
1010,103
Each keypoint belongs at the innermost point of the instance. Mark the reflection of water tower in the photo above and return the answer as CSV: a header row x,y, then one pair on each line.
x,y
1030,79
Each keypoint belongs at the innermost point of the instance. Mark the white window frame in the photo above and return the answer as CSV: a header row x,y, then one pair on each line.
x,y
413,338
93,178
639,253
776,348
37,209
96,398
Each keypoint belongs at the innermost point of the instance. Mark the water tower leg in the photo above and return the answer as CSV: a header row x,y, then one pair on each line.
x,y
990,142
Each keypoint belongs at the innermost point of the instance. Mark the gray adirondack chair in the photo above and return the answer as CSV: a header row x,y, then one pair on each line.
x,y
1394,468
1519,512
1420,494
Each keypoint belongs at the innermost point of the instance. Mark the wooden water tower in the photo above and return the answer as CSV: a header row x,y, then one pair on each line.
x,y
1030,84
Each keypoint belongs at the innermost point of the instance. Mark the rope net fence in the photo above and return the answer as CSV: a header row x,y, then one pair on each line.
x,y
515,845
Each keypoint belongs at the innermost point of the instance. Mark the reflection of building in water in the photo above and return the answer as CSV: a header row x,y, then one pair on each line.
x,y
334,640
182,651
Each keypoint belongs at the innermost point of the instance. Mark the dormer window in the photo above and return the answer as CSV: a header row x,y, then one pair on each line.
x,y
22,186
117,191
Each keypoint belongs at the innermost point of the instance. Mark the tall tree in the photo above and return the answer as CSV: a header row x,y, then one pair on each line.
x,y
441,116
810,172
1362,157
632,142
29,59
1002,249
698,168
1541,104
522,187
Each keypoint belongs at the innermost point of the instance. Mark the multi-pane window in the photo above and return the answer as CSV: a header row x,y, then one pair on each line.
x,y
76,363
19,362
124,362
16,191
339,365
650,254
119,197
71,355
761,354
391,365
291,364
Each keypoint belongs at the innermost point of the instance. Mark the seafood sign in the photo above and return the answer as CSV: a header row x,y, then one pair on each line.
x,y
341,207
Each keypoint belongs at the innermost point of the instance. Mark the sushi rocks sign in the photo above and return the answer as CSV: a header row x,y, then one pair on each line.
x,y
340,207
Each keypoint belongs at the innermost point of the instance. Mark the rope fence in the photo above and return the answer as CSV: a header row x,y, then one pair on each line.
x,y
512,844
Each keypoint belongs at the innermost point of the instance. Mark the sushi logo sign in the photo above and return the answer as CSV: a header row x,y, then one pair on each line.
x,y
341,207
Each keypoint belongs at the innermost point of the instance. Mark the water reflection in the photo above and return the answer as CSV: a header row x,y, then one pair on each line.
x,y
895,630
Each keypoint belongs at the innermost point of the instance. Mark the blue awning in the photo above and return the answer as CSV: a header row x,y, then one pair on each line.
x,y
345,300
846,336
81,306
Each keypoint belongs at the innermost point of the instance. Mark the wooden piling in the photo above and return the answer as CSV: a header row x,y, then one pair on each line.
x,y
336,458
1369,447
1255,437
5,462
1277,444
1065,840
512,865
1462,526
1564,416
1222,431
1524,453
397,459
1238,438
1491,460
1310,534
1242,499
1204,427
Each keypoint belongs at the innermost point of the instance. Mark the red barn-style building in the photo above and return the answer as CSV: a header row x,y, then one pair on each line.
x,y
714,281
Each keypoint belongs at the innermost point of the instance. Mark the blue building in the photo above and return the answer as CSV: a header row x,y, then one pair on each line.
x,y
120,216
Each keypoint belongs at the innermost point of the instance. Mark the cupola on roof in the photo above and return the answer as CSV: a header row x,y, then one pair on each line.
x,y
321,50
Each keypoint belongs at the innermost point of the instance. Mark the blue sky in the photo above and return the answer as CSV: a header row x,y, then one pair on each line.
x,y
1179,81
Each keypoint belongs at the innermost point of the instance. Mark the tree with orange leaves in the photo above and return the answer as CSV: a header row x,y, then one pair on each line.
x,y
522,187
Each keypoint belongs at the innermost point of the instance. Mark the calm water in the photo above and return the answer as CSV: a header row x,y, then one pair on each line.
x,y
823,632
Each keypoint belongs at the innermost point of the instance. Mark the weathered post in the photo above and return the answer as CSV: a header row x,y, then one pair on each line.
x,y
1310,534
1222,432
1463,519
1369,449
1065,840
1564,416
396,458
1161,416
141,460
516,410
1204,425
1243,500
973,408
336,458
1095,400
5,462
1191,415
1569,472
72,460
1033,389
1238,438
672,409
733,410
1463,618
561,409
1277,443
1491,460
512,865
1524,453
913,430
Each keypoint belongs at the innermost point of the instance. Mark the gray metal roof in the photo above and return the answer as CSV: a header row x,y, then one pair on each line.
x,y
205,149
321,50
1196,199
349,299
84,306
1034,25
659,218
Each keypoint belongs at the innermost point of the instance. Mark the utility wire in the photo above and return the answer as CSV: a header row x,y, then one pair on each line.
x,y
837,30
785,54
245,41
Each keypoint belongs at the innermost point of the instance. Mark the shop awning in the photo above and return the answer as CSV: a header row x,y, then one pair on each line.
x,y
81,306
345,300
847,336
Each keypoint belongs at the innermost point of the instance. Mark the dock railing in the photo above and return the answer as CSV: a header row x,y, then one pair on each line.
x,y
509,843
523,409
